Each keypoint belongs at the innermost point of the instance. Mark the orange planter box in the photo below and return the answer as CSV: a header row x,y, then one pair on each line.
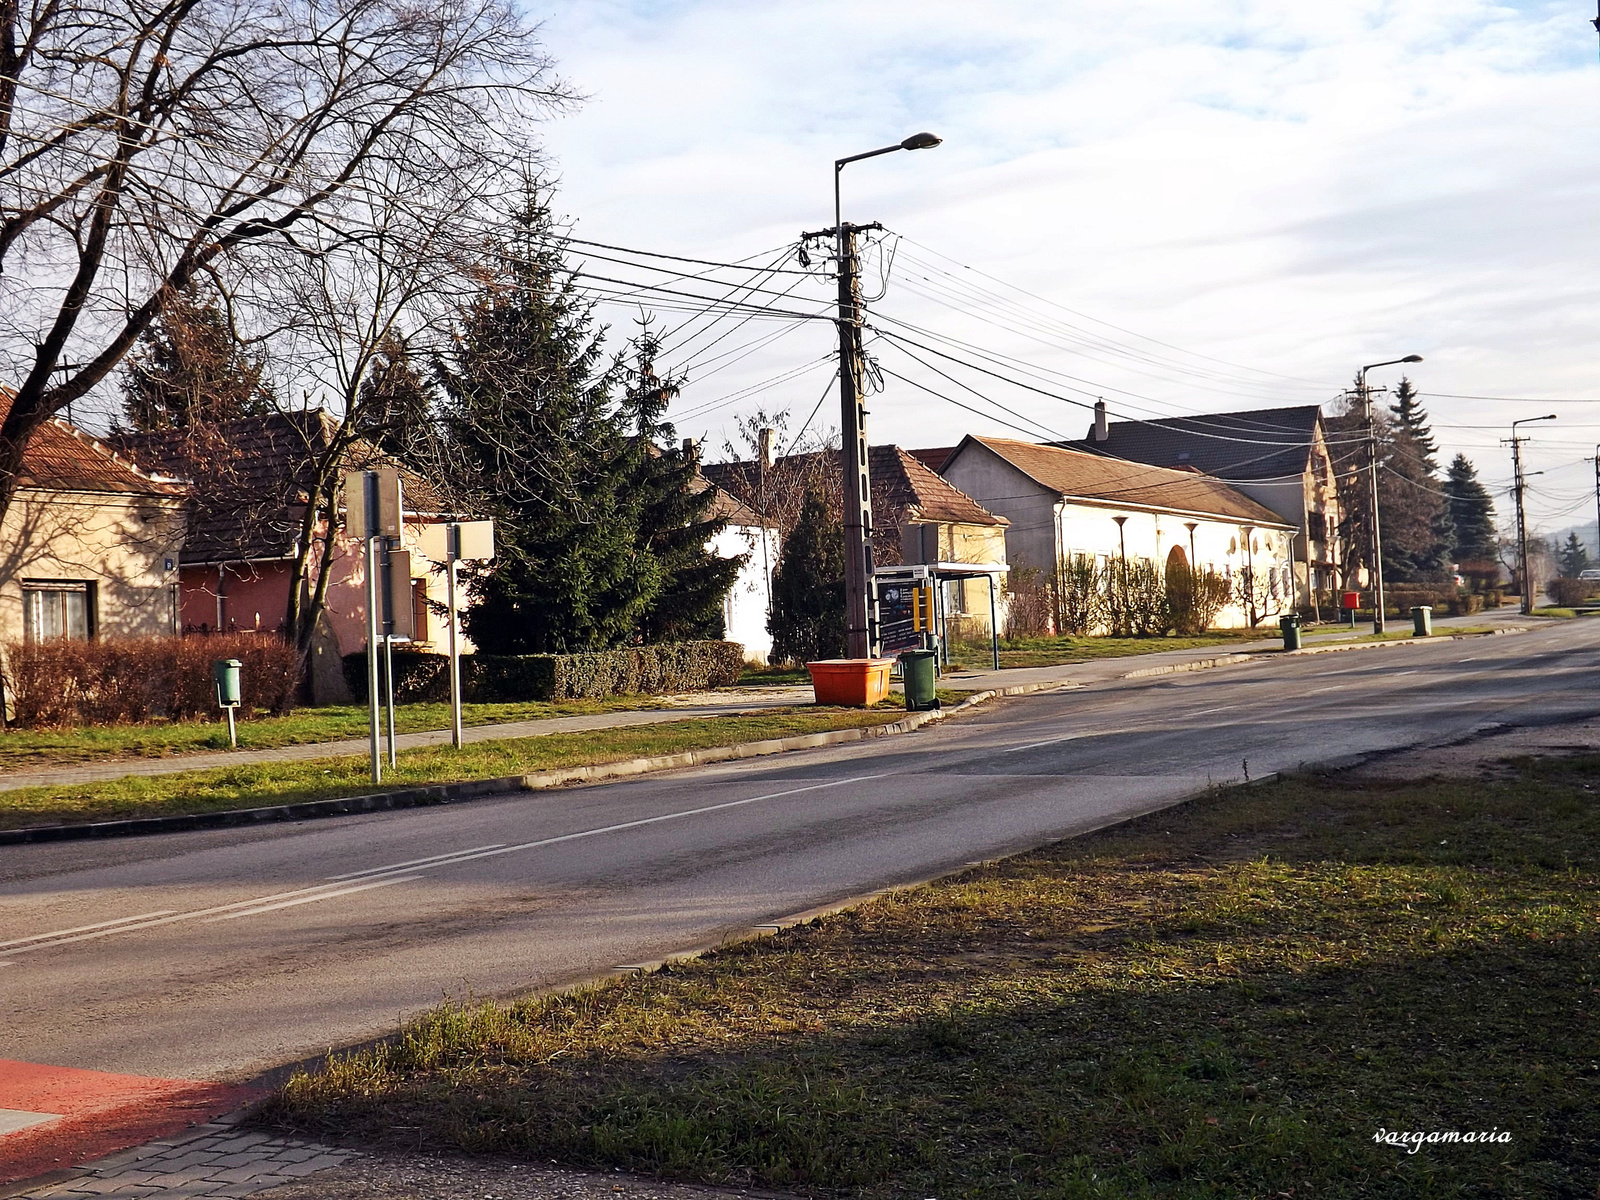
x,y
852,682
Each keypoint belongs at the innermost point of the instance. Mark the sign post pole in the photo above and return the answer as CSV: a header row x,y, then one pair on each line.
x,y
369,502
453,538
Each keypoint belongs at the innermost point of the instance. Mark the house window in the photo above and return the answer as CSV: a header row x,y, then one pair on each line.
x,y
57,609
1317,526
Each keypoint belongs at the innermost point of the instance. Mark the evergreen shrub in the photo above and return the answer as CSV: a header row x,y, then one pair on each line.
x,y
62,683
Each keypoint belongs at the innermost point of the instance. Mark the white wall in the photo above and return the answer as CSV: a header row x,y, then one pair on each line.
x,y
744,609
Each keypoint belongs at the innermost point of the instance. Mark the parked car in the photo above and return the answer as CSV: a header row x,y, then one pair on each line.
x,y
1591,573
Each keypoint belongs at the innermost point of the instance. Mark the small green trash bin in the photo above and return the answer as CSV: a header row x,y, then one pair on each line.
x,y
1289,626
918,675
225,674
1422,621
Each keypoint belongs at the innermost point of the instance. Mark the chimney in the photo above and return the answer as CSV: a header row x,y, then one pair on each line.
x,y
691,450
1101,433
764,440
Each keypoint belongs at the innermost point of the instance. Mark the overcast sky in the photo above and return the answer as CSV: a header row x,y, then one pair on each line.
x,y
1277,192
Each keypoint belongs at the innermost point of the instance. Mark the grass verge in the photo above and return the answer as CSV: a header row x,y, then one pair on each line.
x,y
25,749
249,786
1060,651
1231,998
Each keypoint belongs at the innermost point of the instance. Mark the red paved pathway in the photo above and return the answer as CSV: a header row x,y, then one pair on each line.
x,y
97,1113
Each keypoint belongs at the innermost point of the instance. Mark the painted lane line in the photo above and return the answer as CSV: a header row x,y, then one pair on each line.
x,y
40,937
1338,687
1055,741
266,908
327,890
415,862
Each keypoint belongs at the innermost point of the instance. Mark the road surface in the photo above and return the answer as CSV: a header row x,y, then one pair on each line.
x,y
220,954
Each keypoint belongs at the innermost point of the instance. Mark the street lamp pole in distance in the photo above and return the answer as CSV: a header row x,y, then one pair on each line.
x,y
1521,483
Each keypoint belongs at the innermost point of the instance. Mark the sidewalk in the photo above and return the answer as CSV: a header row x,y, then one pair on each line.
x,y
702,705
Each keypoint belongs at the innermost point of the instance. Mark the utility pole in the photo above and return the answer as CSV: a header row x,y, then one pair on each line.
x,y
857,484
1519,486
1597,504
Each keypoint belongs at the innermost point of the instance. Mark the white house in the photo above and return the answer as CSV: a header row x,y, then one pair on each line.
x,y
749,600
1064,502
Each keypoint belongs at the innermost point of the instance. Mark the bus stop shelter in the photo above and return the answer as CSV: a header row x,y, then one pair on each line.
x,y
899,627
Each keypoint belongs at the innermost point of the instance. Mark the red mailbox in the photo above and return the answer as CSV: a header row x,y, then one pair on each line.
x,y
1350,600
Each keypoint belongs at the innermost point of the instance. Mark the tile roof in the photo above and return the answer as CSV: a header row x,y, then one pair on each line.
x,y
903,488
934,457
1075,475
252,476
1257,444
62,458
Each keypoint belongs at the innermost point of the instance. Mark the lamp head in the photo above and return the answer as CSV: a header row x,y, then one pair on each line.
x,y
921,141
1412,358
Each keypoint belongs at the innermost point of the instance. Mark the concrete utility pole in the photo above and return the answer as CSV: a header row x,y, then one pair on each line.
x,y
857,485
1520,485
1597,505
1372,476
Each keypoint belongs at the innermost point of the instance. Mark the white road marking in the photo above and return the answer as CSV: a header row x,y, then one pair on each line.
x,y
1047,742
1335,688
327,891
415,862
266,908
40,937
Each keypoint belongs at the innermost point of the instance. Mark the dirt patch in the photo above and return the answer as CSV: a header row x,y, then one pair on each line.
x,y
1488,757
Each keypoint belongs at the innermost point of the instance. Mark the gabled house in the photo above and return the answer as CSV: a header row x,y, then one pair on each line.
x,y
1062,503
253,477
1279,457
90,545
917,516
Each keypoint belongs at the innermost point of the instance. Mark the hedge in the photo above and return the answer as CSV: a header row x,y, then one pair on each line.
x,y
62,682
498,679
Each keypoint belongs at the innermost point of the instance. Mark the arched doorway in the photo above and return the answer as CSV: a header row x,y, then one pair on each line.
x,y
1177,558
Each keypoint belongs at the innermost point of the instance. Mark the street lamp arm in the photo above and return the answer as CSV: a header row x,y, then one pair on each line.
x,y
838,163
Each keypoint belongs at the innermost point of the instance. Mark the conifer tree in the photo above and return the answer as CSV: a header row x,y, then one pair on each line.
x,y
807,620
530,420
189,369
1469,516
675,518
396,400
1572,558
1411,423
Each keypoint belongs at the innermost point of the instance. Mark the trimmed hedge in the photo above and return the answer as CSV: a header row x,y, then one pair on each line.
x,y
501,679
62,683
1568,593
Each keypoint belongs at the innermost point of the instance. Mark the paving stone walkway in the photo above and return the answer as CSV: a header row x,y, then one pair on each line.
x,y
216,1161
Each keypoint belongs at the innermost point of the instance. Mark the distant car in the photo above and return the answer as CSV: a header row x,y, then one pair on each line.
x,y
1591,573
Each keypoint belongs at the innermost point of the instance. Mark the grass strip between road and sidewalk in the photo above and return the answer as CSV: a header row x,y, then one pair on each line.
x,y
215,789
1229,998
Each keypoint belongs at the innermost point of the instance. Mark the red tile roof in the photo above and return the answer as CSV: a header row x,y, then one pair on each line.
x,y
62,458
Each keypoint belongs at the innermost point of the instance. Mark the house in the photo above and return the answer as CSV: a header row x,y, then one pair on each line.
x,y
748,603
1062,503
1278,457
90,545
253,478
917,517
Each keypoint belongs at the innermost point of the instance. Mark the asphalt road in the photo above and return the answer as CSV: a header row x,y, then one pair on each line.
x,y
220,954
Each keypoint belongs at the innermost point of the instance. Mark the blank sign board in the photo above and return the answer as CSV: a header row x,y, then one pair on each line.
x,y
461,540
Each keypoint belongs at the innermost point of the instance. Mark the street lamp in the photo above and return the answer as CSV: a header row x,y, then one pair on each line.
x,y
1522,521
852,425
1372,473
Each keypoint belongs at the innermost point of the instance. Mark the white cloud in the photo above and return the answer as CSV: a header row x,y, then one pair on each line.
x,y
1298,187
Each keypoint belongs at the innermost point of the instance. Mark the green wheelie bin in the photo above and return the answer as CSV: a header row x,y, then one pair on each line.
x,y
917,670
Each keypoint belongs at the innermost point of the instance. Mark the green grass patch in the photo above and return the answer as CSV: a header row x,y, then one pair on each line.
x,y
1228,999
29,749
249,786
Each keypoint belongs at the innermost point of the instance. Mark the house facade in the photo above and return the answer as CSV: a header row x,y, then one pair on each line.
x,y
747,605
254,476
1279,457
90,545
1062,503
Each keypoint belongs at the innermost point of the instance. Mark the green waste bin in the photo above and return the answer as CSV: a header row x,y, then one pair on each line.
x,y
917,672
225,674
1289,626
1422,621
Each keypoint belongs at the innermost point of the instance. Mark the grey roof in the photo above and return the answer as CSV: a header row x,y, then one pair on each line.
x,y
1264,443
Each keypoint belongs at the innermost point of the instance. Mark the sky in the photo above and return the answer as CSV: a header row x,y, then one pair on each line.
x,y
1218,205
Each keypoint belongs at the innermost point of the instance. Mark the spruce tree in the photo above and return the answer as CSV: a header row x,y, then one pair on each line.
x,y
530,420
1469,515
675,520
396,400
1411,423
1572,558
189,369
807,620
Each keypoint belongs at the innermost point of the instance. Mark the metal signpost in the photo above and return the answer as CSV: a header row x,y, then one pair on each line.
x,y
449,545
373,513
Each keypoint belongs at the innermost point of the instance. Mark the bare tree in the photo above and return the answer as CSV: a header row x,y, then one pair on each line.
x,y
147,143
